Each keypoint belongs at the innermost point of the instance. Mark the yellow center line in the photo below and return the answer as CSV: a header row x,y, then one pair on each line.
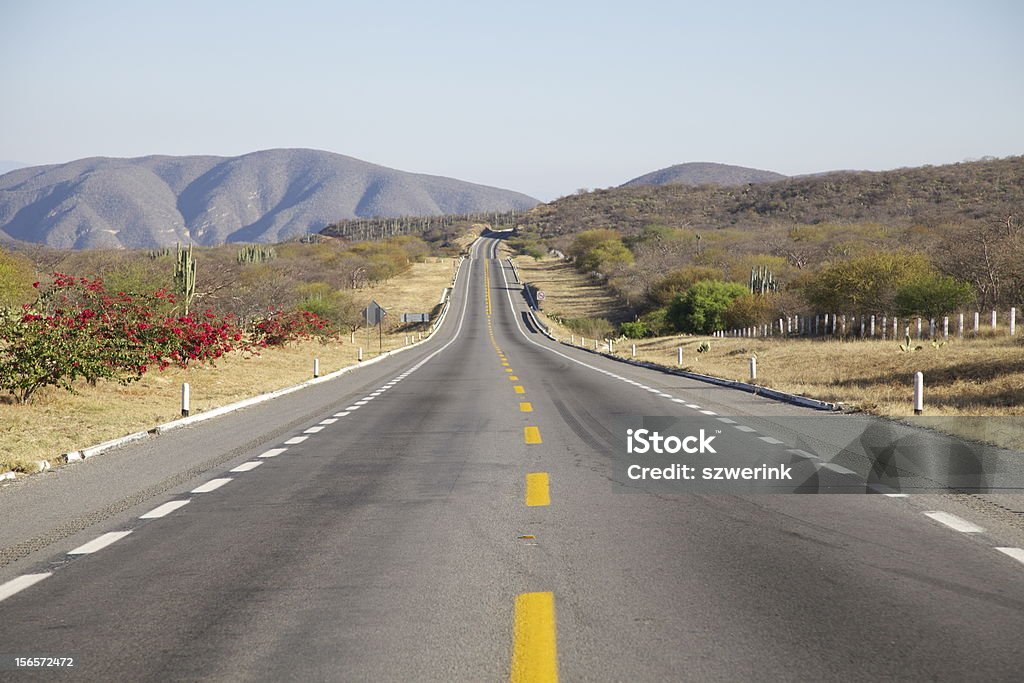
x,y
513,378
509,370
534,646
537,491
532,435
526,407
519,389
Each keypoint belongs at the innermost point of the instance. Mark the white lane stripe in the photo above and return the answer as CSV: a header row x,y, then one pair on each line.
x,y
20,583
768,439
361,403
678,400
727,420
99,543
329,421
953,522
164,510
313,430
212,485
664,395
368,398
896,495
709,412
744,428
342,414
693,405
802,454
246,466
838,469
1015,553
273,452
351,408
294,440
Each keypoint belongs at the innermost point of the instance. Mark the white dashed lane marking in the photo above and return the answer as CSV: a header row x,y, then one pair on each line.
x,y
955,523
99,543
839,469
329,421
21,583
294,440
313,430
165,509
802,454
1015,553
274,452
212,485
343,413
744,428
769,439
709,412
727,420
246,466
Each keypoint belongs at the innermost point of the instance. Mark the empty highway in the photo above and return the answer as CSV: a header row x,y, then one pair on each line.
x,y
454,513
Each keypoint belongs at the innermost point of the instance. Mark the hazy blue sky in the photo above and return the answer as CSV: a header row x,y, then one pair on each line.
x,y
542,97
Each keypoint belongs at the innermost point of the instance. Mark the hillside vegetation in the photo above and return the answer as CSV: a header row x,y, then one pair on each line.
x,y
920,241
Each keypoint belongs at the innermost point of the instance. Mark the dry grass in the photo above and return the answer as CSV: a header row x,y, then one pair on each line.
x,y
568,293
57,422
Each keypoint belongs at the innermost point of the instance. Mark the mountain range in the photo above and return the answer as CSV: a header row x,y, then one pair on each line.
x,y
266,196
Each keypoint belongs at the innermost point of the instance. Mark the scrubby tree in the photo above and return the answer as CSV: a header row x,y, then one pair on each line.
x,y
864,284
701,309
932,295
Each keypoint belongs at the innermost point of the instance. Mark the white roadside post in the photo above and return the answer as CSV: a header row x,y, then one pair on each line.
x,y
993,320
634,350
945,327
679,355
316,368
918,393
977,322
960,325
572,339
1013,321
360,356
185,399
753,368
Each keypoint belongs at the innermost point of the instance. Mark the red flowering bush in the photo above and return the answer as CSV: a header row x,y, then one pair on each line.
x,y
280,328
76,329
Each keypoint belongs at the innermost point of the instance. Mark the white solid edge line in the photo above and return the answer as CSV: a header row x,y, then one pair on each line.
x,y
953,522
246,466
164,510
20,583
212,485
1015,553
294,440
273,452
99,543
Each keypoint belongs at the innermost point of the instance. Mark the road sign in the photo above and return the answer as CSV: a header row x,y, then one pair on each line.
x,y
415,317
374,313
540,296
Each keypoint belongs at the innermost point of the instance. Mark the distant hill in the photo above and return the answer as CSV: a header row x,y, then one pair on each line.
x,y
953,194
266,196
705,173
7,165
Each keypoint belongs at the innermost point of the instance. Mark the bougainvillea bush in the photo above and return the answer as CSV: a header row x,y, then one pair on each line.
x,y
77,330
280,328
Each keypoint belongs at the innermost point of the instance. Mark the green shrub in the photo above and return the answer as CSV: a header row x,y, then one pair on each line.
x,y
701,309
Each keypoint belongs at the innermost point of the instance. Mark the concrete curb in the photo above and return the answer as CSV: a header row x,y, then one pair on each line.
x,y
92,451
785,397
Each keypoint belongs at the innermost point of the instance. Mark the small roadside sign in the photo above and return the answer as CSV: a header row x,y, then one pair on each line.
x,y
540,295
374,313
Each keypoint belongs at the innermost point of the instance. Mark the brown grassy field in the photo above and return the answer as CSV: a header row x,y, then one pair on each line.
x,y
57,421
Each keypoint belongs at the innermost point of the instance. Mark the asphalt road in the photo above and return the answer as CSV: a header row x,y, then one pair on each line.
x,y
451,515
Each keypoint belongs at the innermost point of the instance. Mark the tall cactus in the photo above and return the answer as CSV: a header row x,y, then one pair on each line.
x,y
762,281
256,253
185,277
